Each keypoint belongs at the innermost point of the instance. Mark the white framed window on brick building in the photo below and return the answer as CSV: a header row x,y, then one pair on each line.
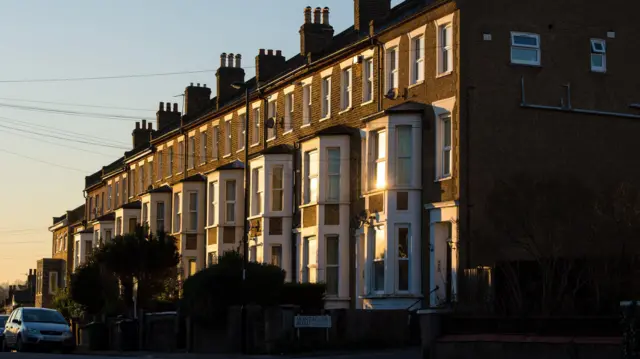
x,y
333,174
145,214
140,179
367,80
391,70
272,113
160,217
277,188
215,133
191,159
289,110
150,174
310,260
170,162
326,97
276,255
193,211
378,165
241,131
445,46
311,176
255,127
525,48
53,282
160,162
404,149
403,240
180,157
598,55
444,141
230,201
109,197
177,205
203,147
332,265
119,226
258,191
416,56
227,138
107,235
213,202
117,189
346,91
306,104
379,256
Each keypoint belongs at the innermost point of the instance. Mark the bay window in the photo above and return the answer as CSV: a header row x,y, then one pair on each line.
x,y
230,201
404,147
193,211
277,188
333,174
332,267
311,177
160,217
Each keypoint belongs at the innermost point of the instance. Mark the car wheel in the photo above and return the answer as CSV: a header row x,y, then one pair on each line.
x,y
20,347
3,346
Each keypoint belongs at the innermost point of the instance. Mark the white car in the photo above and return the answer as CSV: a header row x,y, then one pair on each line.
x,y
30,328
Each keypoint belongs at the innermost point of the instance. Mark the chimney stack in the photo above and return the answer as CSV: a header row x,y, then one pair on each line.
x,y
226,75
141,135
317,35
365,11
269,64
196,99
165,117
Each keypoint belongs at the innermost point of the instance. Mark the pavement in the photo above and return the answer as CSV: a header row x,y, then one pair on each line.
x,y
392,354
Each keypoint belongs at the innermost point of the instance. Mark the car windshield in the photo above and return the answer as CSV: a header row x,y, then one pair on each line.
x,y
3,320
42,316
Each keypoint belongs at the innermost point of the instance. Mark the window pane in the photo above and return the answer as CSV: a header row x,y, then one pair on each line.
x,y
597,60
193,201
231,213
381,144
312,247
403,275
313,189
523,54
276,255
313,163
333,188
332,250
332,280
446,164
231,190
277,200
525,40
380,244
404,170
446,124
381,177
378,275
334,160
404,141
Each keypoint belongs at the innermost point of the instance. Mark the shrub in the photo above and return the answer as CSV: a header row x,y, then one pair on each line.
x,y
308,296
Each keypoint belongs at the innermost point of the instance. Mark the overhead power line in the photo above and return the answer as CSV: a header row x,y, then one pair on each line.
x,y
65,145
68,79
76,104
64,138
76,113
43,161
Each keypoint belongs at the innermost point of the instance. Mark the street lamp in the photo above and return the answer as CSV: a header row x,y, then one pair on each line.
x,y
245,232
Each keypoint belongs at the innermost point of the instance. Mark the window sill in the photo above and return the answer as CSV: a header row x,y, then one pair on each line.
x,y
178,173
287,132
325,118
240,150
271,139
538,65
306,205
375,191
345,110
255,144
418,83
366,103
382,295
226,156
255,216
168,177
440,179
305,125
444,74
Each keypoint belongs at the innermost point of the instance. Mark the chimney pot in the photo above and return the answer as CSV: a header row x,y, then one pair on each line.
x,y
191,84
204,85
230,60
175,107
223,59
261,52
325,16
144,124
168,107
316,15
307,15
150,126
278,52
238,60
198,84
137,125
161,107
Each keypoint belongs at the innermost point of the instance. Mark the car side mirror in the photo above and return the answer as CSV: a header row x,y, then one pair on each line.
x,y
17,321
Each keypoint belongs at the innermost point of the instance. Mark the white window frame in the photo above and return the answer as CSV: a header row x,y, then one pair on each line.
x,y
213,202
255,138
277,189
406,157
257,198
203,147
271,261
334,175
367,80
391,55
417,58
159,169
177,203
109,196
310,259
215,151
326,98
379,230
228,133
399,259
140,179
117,190
170,162
376,146
145,213
151,173
307,101
53,283
241,130
160,216
191,157
180,157
333,266
442,151
536,47
310,176
598,52
228,202
346,89
289,110
272,113
193,211
445,49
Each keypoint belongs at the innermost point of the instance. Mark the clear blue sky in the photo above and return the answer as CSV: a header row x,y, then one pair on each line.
x,y
86,38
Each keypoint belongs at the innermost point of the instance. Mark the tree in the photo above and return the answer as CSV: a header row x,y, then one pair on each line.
x,y
63,303
93,288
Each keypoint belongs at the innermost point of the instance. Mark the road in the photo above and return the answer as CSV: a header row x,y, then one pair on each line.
x,y
404,354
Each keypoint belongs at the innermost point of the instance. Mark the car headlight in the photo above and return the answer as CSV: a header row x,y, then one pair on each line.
x,y
32,331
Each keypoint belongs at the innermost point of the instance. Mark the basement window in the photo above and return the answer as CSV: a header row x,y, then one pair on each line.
x,y
525,48
598,55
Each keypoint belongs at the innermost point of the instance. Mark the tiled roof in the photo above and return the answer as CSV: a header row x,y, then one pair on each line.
x,y
235,165
93,179
161,189
132,205
410,106
136,150
107,217
59,219
195,178
114,166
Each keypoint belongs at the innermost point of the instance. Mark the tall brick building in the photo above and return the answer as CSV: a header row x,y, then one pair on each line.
x,y
372,152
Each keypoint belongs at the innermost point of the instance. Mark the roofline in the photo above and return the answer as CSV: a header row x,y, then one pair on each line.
x,y
58,225
139,155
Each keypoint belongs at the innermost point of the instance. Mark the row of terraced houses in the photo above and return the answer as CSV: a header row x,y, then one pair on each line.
x,y
372,152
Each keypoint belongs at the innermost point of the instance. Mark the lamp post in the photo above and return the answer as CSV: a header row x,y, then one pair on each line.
x,y
245,232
